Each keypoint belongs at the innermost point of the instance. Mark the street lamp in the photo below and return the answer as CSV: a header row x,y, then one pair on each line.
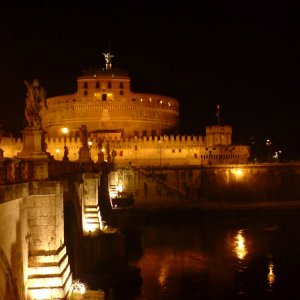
x,y
90,143
65,131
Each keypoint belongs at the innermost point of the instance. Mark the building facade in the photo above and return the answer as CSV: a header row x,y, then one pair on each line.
x,y
130,128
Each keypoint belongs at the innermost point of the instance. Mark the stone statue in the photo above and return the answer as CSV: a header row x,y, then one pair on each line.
x,y
35,101
83,135
108,58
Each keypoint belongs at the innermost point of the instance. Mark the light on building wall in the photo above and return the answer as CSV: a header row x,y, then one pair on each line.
x,y
89,227
65,130
57,153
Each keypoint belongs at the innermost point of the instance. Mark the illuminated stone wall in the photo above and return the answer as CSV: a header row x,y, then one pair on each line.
x,y
32,240
158,150
211,186
14,232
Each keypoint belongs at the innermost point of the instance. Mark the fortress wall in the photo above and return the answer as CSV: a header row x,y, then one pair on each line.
x,y
11,146
151,150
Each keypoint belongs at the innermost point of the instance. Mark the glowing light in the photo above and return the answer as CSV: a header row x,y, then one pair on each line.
x,y
89,227
239,245
119,187
163,275
271,275
141,99
64,130
237,172
268,142
77,288
41,294
102,150
90,143
57,151
160,102
169,104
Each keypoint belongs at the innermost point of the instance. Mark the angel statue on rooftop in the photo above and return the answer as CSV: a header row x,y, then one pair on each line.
x,y
108,56
36,100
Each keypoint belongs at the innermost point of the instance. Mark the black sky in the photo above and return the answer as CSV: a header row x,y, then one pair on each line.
x,y
241,54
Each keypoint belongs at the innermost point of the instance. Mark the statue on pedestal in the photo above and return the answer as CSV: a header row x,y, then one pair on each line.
x,y
100,153
84,151
35,101
108,57
34,146
83,136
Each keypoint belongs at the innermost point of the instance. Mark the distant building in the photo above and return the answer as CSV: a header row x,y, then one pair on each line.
x,y
131,128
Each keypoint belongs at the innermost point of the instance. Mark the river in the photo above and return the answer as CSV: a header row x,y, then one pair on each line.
x,y
212,255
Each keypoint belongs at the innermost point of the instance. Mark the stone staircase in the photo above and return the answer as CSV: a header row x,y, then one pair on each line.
x,y
157,188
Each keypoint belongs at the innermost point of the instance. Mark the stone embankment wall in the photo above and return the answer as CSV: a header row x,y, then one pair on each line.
x,y
216,185
33,259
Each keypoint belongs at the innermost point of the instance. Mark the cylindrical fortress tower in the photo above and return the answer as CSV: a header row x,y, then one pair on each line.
x,y
104,103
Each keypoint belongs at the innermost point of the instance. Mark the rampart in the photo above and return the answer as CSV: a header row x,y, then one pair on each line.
x,y
147,151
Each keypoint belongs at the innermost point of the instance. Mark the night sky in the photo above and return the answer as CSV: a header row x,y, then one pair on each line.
x,y
241,54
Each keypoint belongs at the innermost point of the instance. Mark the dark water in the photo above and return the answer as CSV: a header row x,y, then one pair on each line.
x,y
229,255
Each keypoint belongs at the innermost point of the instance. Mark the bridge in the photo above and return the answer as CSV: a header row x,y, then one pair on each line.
x,y
38,199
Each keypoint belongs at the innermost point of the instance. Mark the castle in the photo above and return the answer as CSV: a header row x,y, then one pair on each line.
x,y
130,128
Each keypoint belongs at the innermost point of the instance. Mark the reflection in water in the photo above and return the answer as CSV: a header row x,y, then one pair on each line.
x,y
239,245
271,275
213,257
163,274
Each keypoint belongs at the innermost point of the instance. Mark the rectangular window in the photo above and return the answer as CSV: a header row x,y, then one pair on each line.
x,y
121,85
109,85
103,97
85,85
121,93
144,132
153,132
97,85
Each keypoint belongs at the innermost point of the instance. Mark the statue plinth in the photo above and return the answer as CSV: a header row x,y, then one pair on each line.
x,y
33,144
84,155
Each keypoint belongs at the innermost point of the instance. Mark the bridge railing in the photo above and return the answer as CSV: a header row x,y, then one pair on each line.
x,y
13,170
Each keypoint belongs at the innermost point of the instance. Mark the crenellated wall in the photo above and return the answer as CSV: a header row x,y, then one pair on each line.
x,y
151,150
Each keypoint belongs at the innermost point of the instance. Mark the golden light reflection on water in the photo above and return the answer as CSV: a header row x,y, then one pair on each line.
x,y
239,245
271,275
163,274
